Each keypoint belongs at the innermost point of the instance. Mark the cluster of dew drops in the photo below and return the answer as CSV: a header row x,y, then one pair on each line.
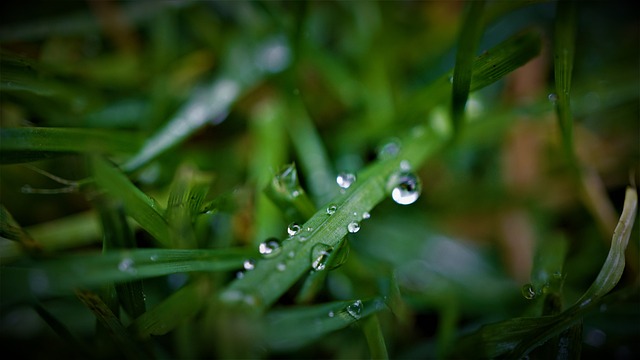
x,y
406,190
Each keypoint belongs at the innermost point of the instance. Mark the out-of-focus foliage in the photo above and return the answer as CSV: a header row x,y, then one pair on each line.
x,y
228,179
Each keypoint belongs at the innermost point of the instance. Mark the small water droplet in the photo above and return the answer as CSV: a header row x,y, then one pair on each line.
x,y
557,275
291,254
269,248
406,188
295,193
249,264
281,266
293,229
331,314
303,238
309,229
405,165
355,309
528,292
345,180
153,257
239,275
353,227
127,265
366,215
389,150
553,98
331,210
319,256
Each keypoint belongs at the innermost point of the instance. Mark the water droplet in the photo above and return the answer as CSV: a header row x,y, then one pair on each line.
x,y
553,98
249,264
309,229
528,292
557,275
345,180
239,275
353,227
405,165
406,188
281,266
366,215
269,248
303,238
319,256
293,229
291,254
295,193
355,309
153,257
127,265
331,314
389,150
331,210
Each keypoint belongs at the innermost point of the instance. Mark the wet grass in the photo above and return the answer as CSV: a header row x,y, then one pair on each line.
x,y
324,180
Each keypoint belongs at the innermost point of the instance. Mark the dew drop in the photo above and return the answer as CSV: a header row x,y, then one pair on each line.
x,y
293,229
249,264
345,180
406,188
553,98
331,210
366,215
353,227
331,314
239,275
405,165
355,309
303,238
319,256
127,265
389,150
528,292
281,266
153,257
291,254
269,248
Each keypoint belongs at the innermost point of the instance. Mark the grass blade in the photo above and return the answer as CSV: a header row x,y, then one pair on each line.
x,y
375,339
29,144
289,328
564,52
10,229
468,42
144,209
61,330
285,191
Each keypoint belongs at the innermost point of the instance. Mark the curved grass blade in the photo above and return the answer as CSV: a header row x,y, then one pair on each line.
x,y
166,316
375,338
285,191
467,44
29,144
72,231
294,327
10,229
144,209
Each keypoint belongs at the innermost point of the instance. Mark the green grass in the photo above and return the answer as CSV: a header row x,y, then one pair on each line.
x,y
170,183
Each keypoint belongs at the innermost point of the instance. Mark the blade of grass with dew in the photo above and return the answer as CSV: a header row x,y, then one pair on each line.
x,y
29,144
488,68
321,262
172,311
548,261
267,130
118,332
564,52
375,338
470,35
289,328
310,150
519,336
285,191
141,207
212,102
117,235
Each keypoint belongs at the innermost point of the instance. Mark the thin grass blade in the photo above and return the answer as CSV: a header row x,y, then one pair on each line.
x,y
375,338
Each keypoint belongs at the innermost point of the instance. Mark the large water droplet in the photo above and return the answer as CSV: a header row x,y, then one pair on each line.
x,y
269,248
353,227
345,180
406,188
128,265
528,292
331,210
249,264
355,309
319,256
293,229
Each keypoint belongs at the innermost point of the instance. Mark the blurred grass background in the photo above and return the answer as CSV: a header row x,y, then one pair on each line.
x,y
324,85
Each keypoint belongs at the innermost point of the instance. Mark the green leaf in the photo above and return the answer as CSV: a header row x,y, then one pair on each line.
x,y
470,35
375,338
285,191
144,209
30,144
10,229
